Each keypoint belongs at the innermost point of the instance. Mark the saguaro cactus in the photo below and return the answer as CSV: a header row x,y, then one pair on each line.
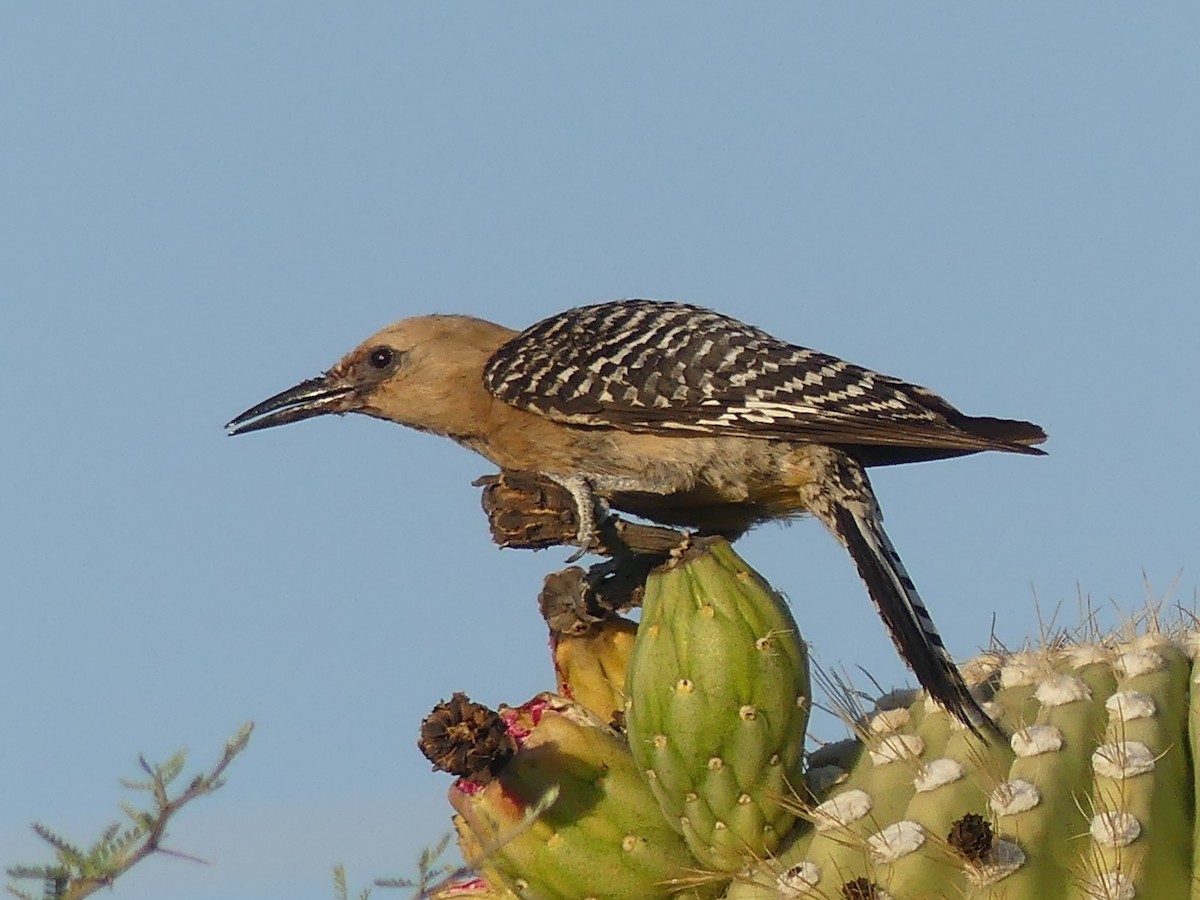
x,y
708,792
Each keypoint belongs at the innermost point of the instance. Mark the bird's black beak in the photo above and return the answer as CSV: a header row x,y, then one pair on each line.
x,y
314,397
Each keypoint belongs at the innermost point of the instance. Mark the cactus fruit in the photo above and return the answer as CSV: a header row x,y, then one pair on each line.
x,y
590,665
471,889
589,642
717,703
567,816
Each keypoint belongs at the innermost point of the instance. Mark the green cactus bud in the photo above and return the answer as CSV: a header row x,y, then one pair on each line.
x,y
569,817
717,702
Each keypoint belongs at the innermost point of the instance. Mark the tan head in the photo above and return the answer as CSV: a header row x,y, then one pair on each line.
x,y
425,372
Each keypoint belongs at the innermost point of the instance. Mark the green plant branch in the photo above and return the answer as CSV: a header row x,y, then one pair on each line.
x,y
79,873
432,875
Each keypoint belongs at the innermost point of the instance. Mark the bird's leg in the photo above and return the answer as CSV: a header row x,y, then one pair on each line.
x,y
583,490
587,506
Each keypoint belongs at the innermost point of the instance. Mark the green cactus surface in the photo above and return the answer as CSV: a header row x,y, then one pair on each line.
x,y
1092,798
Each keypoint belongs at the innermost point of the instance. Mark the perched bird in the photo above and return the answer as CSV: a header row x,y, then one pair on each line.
x,y
677,414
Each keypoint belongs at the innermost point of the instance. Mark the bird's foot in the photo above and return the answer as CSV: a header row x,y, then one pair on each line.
x,y
590,510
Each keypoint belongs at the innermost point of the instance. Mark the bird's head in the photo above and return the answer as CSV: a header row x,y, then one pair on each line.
x,y
424,372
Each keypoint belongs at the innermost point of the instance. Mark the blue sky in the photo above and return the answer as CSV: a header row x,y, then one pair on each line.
x,y
205,203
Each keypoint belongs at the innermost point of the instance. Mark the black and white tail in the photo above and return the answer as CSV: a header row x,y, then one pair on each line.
x,y
854,517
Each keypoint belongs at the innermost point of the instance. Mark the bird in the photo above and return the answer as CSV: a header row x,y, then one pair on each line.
x,y
679,415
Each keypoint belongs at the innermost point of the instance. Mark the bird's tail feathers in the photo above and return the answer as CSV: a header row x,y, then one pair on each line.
x,y
902,610
1012,435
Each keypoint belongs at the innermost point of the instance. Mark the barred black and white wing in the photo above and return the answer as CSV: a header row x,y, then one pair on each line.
x,y
672,368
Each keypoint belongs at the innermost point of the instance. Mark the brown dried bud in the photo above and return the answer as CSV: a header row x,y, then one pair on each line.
x,y
860,889
972,837
466,739
528,510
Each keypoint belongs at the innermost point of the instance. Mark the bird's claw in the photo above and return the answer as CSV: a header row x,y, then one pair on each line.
x,y
587,506
587,536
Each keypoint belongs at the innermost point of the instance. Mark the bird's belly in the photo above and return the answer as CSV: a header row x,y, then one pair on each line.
x,y
702,509
715,485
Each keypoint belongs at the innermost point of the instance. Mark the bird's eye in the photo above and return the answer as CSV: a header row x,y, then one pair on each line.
x,y
381,357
